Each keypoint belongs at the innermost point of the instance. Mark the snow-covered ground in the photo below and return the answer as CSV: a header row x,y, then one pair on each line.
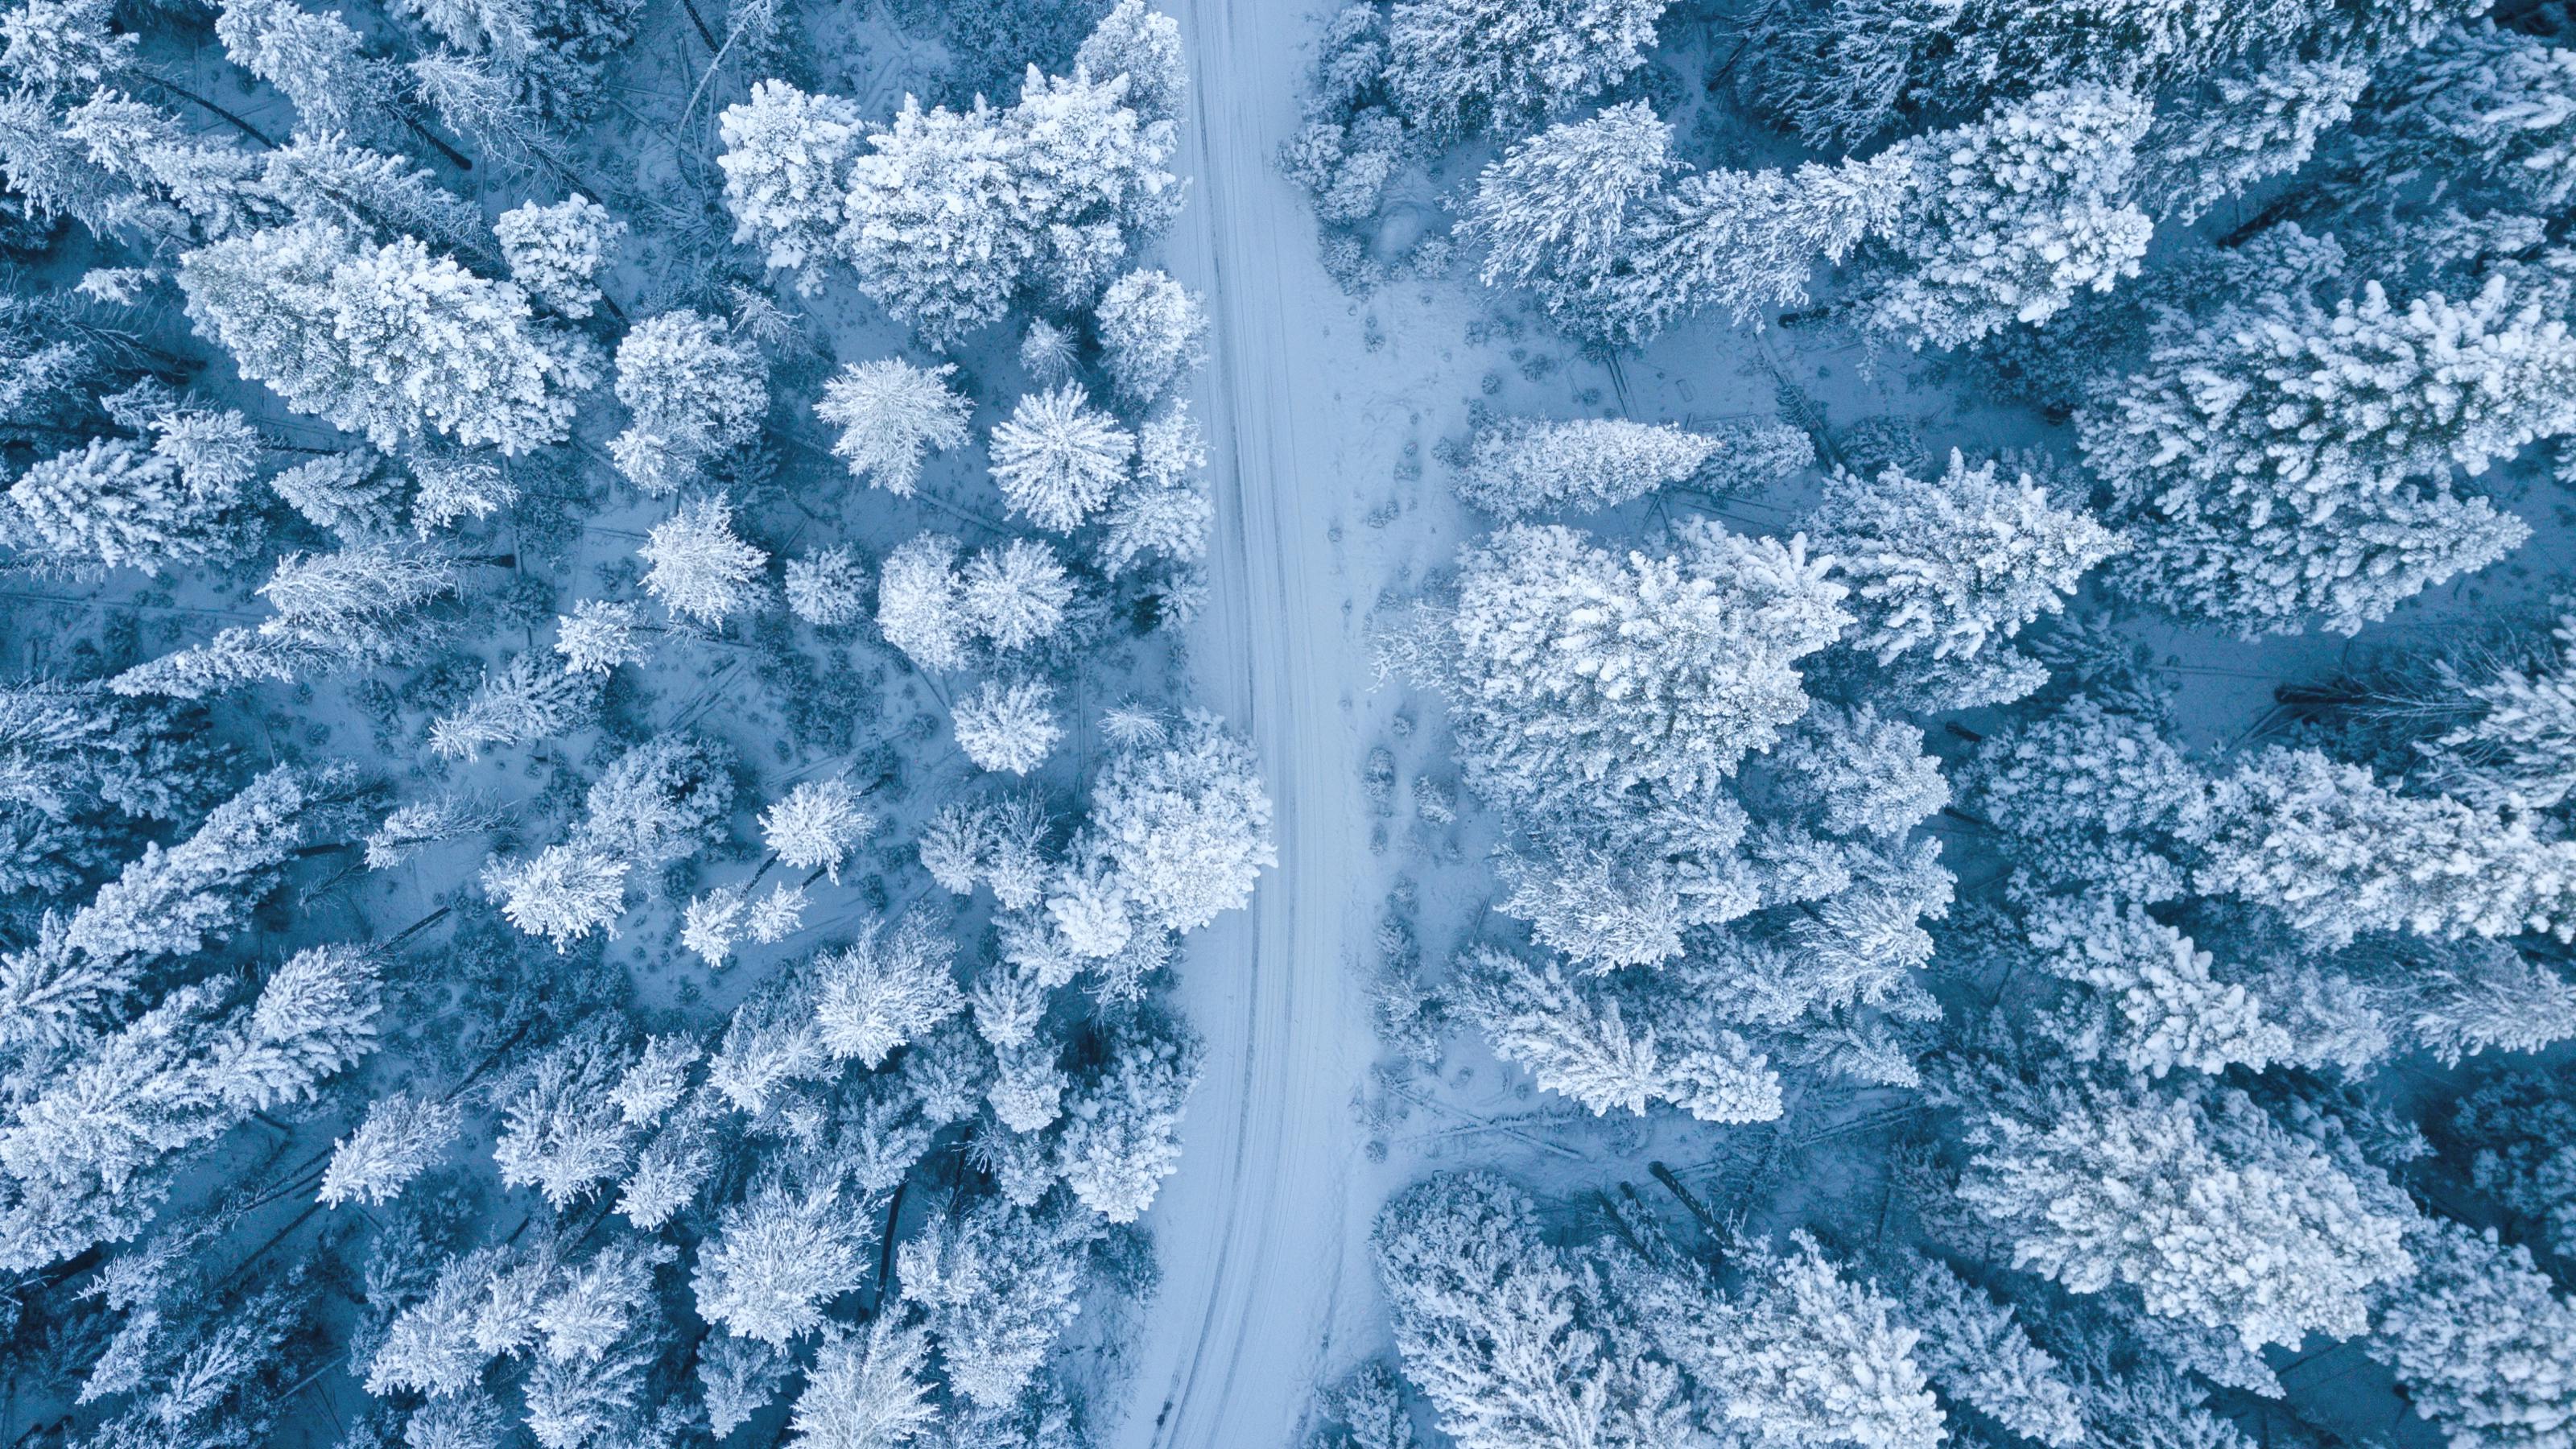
x,y
1260,1232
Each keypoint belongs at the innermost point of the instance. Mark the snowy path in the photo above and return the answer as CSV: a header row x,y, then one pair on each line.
x,y
1261,1230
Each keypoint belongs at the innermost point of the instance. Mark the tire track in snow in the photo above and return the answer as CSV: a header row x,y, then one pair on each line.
x,y
1252,1230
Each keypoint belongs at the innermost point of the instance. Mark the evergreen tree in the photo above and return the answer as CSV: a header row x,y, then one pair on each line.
x,y
1459,67
524,702
997,1282
1057,460
1121,1134
1521,465
2213,1211
1145,48
557,252
919,609
2286,459
815,826
2484,1344
1977,1353
891,415
780,1255
1185,823
401,1137
122,503
1153,333
563,892
1609,1047
700,569
696,392
1564,214
1007,727
786,165
1015,595
867,1390
885,989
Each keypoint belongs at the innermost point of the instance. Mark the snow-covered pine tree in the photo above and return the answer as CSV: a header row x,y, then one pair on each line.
x,y
1459,67
888,987
1606,1046
557,252
2213,1211
1519,466
997,1283
1562,214
696,392
786,164
828,589
172,501
1057,459
2483,1342
868,1388
401,1137
1007,726
779,1256
1153,333
525,700
892,415
816,825
919,605
2284,460
1122,1121
1184,822
1943,574
1976,1353
700,569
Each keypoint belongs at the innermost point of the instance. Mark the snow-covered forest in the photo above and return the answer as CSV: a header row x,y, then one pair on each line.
x,y
1027,724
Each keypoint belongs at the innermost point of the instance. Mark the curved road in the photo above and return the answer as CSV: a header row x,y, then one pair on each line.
x,y
1260,1229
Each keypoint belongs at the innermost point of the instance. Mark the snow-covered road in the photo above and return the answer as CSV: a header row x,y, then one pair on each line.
x,y
1262,1229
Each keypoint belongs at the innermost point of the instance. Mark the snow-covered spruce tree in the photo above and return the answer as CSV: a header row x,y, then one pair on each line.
x,y
2089,794
1145,47
892,415
2007,219
1152,334
997,1284
1943,574
528,699
1057,459
1015,595
2212,1210
786,165
169,501
2337,853
888,987
1459,67
700,569
389,341
2485,109
557,252
349,493
1976,1353
1009,727
1519,466
1184,822
597,636
1163,509
402,1137
169,902
2485,1345
2160,1008
1575,674
920,609
563,892
1799,1355
2518,750
778,1257
315,60
1612,1043
665,799
867,1388
1121,1134
1491,1327
2286,460
1564,214
696,391
816,825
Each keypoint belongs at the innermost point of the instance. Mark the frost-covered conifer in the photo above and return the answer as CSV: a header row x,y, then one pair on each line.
x,y
348,493
936,228
889,987
1563,213
919,605
557,252
151,505
786,163
815,825
660,801
1488,1324
1977,1353
2484,1344
1457,67
1522,465
2170,1011
2086,793
316,60
1748,241
828,589
1145,47
2338,853
2488,109
2205,1205
867,1389
597,636
454,487
1008,727
1943,573
389,341
892,415
561,1131
1016,594
1121,1134
1058,460
695,390
1605,1047
1153,333
997,1283
780,1255
2284,459
168,902
2011,217
1185,824
523,702
700,568
563,892
1049,354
